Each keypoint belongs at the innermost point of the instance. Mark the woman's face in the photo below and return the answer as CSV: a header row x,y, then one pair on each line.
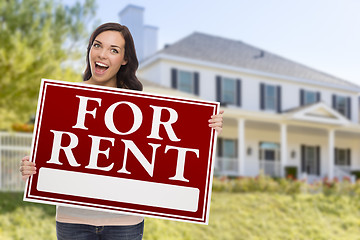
x,y
106,57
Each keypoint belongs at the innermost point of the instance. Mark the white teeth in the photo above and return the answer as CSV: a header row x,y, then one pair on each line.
x,y
101,64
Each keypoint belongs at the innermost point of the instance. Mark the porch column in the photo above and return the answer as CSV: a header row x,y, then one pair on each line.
x,y
331,154
241,146
283,154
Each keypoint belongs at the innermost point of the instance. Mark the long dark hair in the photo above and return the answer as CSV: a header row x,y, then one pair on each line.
x,y
125,77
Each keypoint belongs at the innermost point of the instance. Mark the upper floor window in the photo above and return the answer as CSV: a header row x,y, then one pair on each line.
x,y
228,90
270,97
185,81
342,105
309,97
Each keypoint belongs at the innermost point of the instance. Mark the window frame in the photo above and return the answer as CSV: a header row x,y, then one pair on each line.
x,y
223,93
179,80
342,162
313,93
275,97
346,107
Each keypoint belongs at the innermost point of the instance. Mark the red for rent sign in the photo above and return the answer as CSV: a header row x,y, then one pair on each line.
x,y
122,151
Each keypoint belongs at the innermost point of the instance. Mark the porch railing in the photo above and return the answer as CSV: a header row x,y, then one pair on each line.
x,y
226,166
271,168
13,146
342,172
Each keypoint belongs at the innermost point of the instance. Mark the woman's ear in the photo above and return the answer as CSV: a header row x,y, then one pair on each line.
x,y
124,62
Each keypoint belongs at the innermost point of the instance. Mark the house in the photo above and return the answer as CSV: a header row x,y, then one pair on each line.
x,y
281,117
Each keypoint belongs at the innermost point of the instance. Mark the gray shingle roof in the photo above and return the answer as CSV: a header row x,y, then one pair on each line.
x,y
229,52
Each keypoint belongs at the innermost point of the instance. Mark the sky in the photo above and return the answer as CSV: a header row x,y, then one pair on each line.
x,y
321,34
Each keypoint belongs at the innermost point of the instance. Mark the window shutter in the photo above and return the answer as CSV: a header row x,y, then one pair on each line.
x,y
334,101
348,157
218,89
318,160
196,83
302,95
318,97
303,159
174,78
220,147
238,92
236,148
349,108
278,96
262,96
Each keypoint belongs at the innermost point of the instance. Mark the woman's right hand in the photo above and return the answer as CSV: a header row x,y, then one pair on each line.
x,y
27,168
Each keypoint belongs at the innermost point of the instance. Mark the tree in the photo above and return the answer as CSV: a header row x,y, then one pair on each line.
x,y
37,38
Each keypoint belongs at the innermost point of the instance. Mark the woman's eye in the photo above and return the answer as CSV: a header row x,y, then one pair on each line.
x,y
114,51
96,45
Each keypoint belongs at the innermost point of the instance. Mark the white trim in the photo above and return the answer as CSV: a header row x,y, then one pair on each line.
x,y
302,114
160,56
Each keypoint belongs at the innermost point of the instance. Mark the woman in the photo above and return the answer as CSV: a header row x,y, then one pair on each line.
x,y
111,61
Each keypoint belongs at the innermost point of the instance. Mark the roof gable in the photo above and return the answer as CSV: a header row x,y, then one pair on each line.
x,y
318,112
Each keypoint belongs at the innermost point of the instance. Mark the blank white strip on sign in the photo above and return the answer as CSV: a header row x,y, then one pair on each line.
x,y
118,189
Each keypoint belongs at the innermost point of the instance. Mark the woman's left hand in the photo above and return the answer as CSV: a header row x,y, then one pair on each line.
x,y
216,121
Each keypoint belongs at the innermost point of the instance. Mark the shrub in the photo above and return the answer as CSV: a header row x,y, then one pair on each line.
x,y
290,186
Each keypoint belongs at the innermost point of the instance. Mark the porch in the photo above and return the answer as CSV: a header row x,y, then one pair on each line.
x,y
315,146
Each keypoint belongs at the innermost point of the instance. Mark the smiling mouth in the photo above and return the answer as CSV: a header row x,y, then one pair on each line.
x,y
100,68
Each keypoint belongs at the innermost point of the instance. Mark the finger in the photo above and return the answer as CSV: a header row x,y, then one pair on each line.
x,y
27,169
213,120
27,163
215,125
28,172
218,115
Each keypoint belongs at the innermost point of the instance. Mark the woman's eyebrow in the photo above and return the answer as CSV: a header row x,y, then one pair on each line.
x,y
115,46
110,45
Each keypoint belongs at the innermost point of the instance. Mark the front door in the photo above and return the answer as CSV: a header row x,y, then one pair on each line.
x,y
310,160
270,158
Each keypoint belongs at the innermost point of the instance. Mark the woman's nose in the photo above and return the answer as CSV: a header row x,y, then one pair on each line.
x,y
103,53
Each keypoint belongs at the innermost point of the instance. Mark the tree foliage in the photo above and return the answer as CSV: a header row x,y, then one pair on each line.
x,y
37,38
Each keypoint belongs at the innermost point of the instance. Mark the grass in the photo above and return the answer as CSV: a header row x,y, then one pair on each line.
x,y
249,216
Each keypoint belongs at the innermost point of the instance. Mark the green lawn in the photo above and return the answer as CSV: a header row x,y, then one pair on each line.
x,y
233,216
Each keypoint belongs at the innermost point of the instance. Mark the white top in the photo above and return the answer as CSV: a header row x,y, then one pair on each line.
x,y
93,217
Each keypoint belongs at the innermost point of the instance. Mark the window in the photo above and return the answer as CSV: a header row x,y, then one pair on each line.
x,y
308,97
229,148
228,90
185,81
270,97
342,105
342,157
